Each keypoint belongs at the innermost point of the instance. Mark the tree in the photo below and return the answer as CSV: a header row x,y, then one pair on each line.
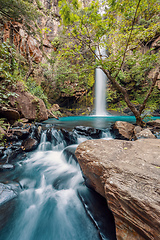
x,y
126,30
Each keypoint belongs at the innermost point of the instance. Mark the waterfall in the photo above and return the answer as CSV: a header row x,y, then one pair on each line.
x,y
100,88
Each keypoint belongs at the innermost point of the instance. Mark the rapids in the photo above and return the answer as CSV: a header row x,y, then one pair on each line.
x,y
54,203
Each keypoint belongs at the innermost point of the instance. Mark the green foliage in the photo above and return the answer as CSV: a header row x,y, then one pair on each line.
x,y
4,126
56,42
19,10
12,69
37,91
135,74
39,4
127,30
8,65
57,113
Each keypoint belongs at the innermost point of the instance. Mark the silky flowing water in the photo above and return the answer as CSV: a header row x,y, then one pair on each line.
x,y
54,203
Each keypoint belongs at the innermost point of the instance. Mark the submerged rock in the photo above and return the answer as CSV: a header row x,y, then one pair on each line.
x,y
54,136
70,137
127,174
8,192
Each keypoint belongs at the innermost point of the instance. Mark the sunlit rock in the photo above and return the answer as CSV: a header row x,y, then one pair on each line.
x,y
127,174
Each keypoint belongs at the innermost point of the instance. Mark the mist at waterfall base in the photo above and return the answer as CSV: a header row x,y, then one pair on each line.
x,y
54,203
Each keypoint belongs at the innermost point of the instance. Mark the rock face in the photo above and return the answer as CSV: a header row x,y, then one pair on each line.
x,y
28,105
127,174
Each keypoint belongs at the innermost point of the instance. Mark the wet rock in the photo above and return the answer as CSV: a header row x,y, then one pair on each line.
x,y
96,207
21,133
12,152
36,132
146,133
127,174
11,138
30,144
1,153
70,137
88,131
123,130
54,136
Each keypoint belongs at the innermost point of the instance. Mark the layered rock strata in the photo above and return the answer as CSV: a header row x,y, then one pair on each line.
x,y
127,174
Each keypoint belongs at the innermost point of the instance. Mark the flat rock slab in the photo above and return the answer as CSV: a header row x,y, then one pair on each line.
x,y
127,174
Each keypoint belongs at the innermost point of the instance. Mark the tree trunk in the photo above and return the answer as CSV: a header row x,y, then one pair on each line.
x,y
137,113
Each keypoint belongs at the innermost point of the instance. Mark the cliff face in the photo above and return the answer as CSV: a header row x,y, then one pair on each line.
x,y
40,43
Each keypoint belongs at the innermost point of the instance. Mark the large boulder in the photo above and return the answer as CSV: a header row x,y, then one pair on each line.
x,y
123,130
29,106
127,174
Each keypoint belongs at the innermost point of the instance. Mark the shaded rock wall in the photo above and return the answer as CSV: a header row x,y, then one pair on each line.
x,y
127,174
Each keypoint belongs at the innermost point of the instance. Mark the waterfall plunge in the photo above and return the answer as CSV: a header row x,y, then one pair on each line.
x,y
100,88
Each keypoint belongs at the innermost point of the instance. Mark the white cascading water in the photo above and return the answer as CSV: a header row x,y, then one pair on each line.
x,y
49,205
100,88
100,77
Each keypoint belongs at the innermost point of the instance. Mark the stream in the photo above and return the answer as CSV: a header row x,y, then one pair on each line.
x,y
53,202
